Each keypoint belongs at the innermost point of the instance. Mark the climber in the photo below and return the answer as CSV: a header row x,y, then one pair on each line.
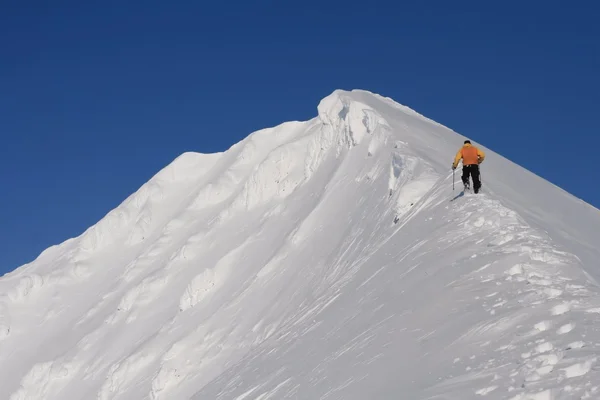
x,y
471,158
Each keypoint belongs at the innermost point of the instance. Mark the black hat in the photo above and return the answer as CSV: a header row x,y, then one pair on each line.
x,y
467,141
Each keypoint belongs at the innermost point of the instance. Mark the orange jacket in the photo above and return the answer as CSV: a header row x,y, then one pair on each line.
x,y
470,155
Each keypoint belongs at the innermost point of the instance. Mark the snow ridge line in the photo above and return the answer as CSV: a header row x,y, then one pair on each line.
x,y
529,337
172,370
200,287
141,200
539,286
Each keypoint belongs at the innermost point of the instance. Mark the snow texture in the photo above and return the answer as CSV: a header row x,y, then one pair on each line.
x,y
324,259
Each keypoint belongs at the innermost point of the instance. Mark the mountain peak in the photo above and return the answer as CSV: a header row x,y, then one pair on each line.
x,y
341,100
346,114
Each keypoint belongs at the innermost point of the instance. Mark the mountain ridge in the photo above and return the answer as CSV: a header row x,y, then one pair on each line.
x,y
326,258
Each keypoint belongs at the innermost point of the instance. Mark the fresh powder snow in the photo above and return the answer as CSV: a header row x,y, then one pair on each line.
x,y
324,259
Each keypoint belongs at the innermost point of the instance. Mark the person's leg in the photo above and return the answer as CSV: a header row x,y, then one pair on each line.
x,y
476,178
465,175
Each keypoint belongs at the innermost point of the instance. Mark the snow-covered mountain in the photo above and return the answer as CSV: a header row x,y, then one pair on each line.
x,y
325,259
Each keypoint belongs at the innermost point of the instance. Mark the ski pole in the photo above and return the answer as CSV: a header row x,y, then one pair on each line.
x,y
453,179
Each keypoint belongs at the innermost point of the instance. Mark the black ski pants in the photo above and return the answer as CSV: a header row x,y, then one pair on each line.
x,y
473,172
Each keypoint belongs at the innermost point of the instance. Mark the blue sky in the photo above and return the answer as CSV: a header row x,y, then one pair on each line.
x,y
96,97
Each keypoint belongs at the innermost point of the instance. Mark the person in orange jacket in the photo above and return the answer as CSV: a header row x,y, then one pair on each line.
x,y
471,158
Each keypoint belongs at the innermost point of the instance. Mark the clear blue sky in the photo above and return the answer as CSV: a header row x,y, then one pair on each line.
x,y
96,97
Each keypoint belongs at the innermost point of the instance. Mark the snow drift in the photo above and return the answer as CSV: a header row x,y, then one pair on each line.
x,y
325,259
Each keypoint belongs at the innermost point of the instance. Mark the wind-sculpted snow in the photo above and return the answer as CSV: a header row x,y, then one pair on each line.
x,y
325,259
208,281
351,120
275,177
4,321
27,286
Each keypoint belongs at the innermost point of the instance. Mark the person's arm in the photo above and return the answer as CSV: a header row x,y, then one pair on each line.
x,y
480,155
457,159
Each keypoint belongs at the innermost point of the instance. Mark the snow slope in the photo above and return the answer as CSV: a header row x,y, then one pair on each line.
x,y
325,259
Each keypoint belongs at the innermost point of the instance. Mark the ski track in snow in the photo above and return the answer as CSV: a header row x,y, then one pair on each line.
x,y
320,259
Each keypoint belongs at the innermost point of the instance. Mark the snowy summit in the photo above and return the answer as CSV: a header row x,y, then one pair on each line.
x,y
325,259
